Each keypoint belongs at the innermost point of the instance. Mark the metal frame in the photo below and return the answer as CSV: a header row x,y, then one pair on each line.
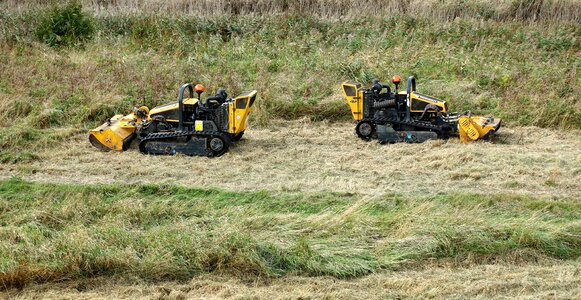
x,y
181,103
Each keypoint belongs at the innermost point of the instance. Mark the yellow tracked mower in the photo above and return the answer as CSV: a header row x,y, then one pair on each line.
x,y
188,126
409,116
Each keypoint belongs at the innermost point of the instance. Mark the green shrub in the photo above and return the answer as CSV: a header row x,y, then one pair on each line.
x,y
66,26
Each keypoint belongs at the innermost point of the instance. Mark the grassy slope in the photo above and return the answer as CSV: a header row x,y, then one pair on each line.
x,y
525,73
519,67
55,231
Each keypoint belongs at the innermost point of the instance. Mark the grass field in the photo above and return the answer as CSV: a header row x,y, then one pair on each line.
x,y
300,208
160,232
272,213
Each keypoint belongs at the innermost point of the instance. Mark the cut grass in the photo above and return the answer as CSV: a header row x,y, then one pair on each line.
x,y
554,279
159,232
304,156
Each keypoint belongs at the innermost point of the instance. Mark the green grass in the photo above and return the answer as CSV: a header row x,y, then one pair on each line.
x,y
23,156
157,232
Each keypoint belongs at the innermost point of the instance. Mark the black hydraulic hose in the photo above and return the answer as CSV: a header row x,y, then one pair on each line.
x,y
181,103
428,107
385,86
378,87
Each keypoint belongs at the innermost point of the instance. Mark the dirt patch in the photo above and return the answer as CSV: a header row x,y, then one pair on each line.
x,y
320,156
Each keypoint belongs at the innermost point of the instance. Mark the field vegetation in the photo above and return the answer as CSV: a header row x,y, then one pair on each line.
x,y
55,231
523,71
300,207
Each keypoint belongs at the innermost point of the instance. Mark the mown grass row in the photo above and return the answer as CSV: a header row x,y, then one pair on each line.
x,y
525,73
156,232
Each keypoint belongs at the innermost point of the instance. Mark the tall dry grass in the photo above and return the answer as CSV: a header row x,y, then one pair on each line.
x,y
502,10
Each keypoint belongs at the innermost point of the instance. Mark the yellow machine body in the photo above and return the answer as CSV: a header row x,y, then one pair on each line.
x,y
353,93
170,111
419,101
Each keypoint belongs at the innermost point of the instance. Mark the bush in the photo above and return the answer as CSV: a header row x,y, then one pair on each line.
x,y
66,26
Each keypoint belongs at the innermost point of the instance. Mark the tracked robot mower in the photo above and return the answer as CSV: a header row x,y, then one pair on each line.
x,y
188,126
409,116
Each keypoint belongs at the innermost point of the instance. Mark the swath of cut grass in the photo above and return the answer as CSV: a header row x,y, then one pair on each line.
x,y
161,232
329,157
547,279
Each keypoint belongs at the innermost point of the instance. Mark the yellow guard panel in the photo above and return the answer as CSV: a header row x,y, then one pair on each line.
x,y
354,98
239,110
